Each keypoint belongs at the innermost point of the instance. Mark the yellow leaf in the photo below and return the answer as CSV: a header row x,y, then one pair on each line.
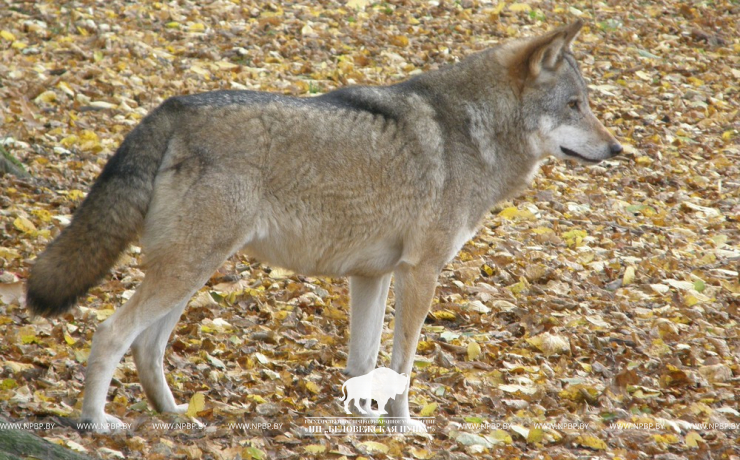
x,y
76,195
89,140
512,213
425,346
42,214
519,7
535,435
665,438
696,81
104,313
373,446
315,449
88,135
42,397
24,225
519,287
500,436
275,13
9,253
629,275
46,96
586,366
197,404
27,334
357,4
693,438
542,230
400,40
172,25
69,339
692,299
592,442
644,161
444,315
474,350
313,388
69,141
256,398
574,237
428,410
7,35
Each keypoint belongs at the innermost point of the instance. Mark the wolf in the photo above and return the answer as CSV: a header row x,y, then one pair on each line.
x,y
363,182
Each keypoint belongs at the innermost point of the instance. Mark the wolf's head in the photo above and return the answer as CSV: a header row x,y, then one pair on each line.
x,y
554,99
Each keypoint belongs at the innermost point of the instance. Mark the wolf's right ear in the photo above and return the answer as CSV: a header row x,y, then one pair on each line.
x,y
548,50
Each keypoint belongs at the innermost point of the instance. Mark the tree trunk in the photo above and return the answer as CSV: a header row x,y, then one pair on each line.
x,y
21,444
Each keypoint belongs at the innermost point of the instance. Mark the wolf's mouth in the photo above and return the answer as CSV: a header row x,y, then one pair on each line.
x,y
571,153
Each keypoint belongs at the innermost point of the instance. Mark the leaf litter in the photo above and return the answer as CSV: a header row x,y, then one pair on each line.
x,y
596,315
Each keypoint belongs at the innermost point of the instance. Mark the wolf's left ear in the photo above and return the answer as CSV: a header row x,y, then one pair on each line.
x,y
548,53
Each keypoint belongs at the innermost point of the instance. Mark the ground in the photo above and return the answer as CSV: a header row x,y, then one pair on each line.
x,y
596,316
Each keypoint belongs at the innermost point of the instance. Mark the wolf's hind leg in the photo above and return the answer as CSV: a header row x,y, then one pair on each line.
x,y
173,275
148,350
115,335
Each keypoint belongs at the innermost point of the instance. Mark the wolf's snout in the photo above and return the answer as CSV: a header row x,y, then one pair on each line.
x,y
615,149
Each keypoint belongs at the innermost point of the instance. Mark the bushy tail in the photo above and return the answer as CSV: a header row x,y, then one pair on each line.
x,y
109,218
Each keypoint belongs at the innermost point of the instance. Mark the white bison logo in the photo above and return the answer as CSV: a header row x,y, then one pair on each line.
x,y
380,384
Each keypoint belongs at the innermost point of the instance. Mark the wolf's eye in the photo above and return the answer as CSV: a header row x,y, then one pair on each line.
x,y
573,104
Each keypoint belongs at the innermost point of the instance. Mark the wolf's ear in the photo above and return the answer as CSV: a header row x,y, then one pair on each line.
x,y
548,51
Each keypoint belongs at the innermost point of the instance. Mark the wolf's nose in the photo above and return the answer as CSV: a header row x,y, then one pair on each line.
x,y
615,149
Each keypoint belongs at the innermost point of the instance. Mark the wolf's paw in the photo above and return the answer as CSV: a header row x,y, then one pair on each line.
x,y
103,423
180,409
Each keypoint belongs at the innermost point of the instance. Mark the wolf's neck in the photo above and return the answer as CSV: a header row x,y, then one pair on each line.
x,y
507,164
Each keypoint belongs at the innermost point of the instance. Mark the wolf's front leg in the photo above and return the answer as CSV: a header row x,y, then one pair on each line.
x,y
367,311
414,290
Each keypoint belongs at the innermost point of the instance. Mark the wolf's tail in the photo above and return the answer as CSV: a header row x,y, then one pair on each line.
x,y
109,218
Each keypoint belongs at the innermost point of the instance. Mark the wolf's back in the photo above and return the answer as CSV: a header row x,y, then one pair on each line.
x,y
109,218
